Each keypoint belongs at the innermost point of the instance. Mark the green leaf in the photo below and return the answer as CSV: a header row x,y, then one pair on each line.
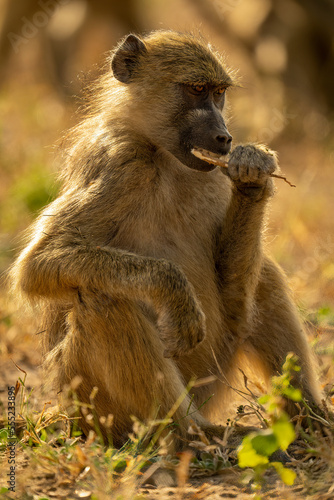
x,y
284,432
288,476
265,443
292,393
119,465
43,436
324,311
264,399
247,456
76,433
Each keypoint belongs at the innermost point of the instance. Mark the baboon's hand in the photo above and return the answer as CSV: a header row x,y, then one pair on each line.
x,y
181,321
250,167
182,331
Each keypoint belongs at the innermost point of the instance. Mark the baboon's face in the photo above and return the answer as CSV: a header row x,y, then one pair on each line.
x,y
200,124
177,116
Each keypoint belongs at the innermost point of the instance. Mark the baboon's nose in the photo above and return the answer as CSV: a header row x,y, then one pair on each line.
x,y
223,137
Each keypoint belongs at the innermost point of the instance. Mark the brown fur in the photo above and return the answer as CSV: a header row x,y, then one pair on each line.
x,y
140,258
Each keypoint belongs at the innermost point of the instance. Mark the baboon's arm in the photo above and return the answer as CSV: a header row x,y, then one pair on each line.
x,y
240,255
65,267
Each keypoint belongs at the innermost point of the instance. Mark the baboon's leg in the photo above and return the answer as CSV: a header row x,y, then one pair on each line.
x,y
279,331
113,345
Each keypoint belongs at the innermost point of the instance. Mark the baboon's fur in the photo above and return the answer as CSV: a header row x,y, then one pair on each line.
x,y
141,257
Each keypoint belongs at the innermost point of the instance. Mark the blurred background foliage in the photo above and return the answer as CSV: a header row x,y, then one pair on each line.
x,y
284,49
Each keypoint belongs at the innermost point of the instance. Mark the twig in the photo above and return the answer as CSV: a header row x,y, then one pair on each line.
x,y
284,179
220,161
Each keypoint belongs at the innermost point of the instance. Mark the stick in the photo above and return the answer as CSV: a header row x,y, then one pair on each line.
x,y
220,161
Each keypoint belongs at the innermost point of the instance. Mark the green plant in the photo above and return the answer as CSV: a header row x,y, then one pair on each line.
x,y
257,448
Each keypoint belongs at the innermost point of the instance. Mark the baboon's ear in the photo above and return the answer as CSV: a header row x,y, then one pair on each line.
x,y
126,58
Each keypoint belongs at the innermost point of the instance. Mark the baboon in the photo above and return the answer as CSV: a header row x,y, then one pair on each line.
x,y
149,266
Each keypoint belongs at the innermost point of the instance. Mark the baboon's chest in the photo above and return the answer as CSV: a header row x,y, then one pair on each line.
x,y
181,225
178,222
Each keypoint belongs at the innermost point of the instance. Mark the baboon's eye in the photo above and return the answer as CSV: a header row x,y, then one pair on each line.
x,y
197,89
220,90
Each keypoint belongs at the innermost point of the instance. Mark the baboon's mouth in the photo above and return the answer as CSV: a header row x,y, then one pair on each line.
x,y
210,157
